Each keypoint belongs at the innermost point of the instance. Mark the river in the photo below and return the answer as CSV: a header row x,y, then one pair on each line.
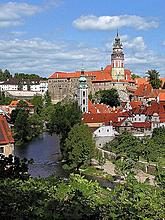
x,y
45,151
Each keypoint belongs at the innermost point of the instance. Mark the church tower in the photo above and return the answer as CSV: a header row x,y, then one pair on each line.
x,y
117,59
83,92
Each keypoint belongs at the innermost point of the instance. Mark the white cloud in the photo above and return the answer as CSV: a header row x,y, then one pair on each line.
x,y
136,44
13,13
92,22
45,57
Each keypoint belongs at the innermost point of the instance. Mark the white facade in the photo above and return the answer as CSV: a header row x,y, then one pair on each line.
x,y
40,86
103,135
83,94
139,118
105,131
43,86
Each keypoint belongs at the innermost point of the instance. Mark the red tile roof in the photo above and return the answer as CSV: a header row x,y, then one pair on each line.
x,y
98,108
99,118
99,75
5,132
162,96
145,124
135,104
139,81
143,90
16,102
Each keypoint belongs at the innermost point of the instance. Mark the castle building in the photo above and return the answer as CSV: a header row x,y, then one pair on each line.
x,y
117,60
64,84
83,93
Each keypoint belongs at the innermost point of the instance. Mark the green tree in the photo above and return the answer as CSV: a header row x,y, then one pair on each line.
x,y
65,115
47,99
14,168
26,76
37,101
22,104
79,147
108,97
47,112
126,145
154,80
22,129
133,76
4,75
14,114
80,199
4,100
36,124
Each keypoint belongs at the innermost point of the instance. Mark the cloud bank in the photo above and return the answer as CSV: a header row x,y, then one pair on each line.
x,y
106,23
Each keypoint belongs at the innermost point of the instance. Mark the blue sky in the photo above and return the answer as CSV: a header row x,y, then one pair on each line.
x,y
44,36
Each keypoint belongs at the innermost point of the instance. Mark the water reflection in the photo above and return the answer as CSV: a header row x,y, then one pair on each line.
x,y
45,152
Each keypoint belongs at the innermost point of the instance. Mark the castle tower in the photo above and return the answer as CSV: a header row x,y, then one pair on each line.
x,y
83,92
117,59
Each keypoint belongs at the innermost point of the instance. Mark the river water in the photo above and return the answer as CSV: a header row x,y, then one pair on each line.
x,y
45,151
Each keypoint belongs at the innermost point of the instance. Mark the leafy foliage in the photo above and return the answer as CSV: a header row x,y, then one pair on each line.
x,y
47,99
154,78
78,147
79,198
36,124
4,75
133,76
26,76
14,168
4,100
38,103
64,116
126,145
151,149
22,127
108,97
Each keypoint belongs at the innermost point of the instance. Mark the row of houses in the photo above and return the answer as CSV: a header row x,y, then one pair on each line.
x,y
23,88
136,117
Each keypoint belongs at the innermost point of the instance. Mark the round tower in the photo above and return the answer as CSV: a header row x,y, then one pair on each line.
x,y
117,59
83,92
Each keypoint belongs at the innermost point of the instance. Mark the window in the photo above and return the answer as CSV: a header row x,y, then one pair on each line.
x,y
84,101
1,150
83,93
84,109
107,130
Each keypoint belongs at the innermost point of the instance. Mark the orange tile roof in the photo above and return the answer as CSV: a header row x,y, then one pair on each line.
x,y
161,96
143,90
98,75
99,118
135,104
145,124
14,103
98,108
140,81
163,81
5,132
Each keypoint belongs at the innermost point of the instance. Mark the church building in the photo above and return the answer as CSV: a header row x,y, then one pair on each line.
x,y
65,84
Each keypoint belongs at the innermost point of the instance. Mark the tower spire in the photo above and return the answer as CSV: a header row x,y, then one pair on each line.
x,y
117,35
